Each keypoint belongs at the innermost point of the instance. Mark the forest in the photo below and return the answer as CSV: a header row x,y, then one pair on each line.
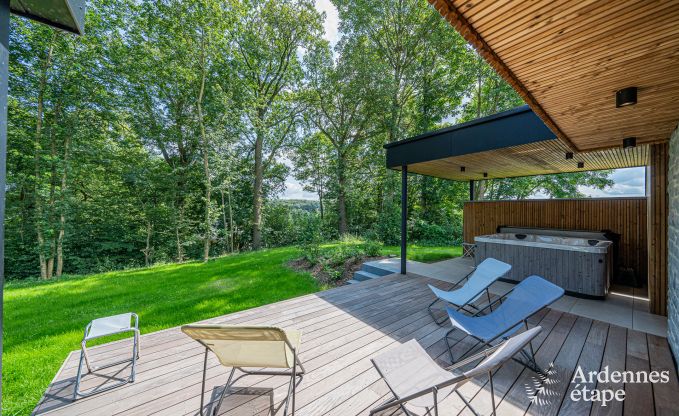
x,y
167,132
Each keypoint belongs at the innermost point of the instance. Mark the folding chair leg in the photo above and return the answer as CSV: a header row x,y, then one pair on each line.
x,y
202,384
450,348
439,322
492,391
226,388
466,403
83,351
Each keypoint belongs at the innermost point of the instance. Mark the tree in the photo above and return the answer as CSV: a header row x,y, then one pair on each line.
x,y
268,38
342,97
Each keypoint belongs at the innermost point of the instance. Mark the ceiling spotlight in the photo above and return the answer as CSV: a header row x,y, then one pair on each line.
x,y
462,168
581,165
569,155
485,174
625,97
628,142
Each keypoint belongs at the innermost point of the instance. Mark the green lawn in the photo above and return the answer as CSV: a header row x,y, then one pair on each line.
x,y
425,254
43,321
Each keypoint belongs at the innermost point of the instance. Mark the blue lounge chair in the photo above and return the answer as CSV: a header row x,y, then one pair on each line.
x,y
477,283
516,306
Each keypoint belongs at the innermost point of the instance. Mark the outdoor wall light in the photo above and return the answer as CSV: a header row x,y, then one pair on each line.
x,y
569,155
462,168
629,142
581,165
625,97
485,174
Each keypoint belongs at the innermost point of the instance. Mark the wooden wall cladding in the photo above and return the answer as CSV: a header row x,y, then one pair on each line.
x,y
625,216
657,228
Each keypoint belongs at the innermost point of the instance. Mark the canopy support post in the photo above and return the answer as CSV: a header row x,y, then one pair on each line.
x,y
404,217
4,75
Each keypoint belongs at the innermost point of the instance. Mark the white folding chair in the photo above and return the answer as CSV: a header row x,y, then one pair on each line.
x,y
103,327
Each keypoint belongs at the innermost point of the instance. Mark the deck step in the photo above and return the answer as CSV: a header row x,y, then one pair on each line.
x,y
352,282
362,276
378,269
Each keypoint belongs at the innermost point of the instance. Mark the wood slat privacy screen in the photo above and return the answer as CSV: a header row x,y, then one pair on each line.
x,y
625,216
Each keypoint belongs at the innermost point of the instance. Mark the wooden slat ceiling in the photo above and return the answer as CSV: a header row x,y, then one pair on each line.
x,y
567,58
537,158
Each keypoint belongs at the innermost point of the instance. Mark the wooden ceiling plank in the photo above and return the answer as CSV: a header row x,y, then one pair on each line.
x,y
462,25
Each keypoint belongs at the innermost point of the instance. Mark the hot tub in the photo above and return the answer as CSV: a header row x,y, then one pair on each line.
x,y
581,266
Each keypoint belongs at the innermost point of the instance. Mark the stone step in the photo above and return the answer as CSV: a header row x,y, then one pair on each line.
x,y
362,276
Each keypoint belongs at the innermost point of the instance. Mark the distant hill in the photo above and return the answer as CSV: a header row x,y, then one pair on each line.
x,y
308,205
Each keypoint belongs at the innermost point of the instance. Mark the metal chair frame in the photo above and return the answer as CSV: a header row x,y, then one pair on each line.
x,y
434,389
293,374
84,357
530,364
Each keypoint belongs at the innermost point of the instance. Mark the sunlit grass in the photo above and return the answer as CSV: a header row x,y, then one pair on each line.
x,y
43,321
425,254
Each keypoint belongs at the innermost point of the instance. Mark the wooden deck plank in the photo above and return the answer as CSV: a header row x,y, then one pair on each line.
x,y
519,397
638,396
552,393
197,350
614,358
342,329
664,394
590,360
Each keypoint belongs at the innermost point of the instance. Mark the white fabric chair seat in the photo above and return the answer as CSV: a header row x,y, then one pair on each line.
x,y
483,276
110,325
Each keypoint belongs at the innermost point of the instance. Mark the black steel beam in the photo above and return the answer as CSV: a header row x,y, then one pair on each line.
x,y
404,218
471,190
510,128
4,74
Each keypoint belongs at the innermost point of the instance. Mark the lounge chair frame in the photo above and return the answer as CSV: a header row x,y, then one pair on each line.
x,y
531,362
434,389
468,307
293,374
84,357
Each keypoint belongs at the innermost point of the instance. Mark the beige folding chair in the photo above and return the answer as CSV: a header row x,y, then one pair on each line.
x,y
250,346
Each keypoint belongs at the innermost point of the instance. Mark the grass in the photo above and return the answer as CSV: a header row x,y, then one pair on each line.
x,y
43,321
425,254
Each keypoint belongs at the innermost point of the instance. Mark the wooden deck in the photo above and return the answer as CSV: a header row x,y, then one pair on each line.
x,y
344,327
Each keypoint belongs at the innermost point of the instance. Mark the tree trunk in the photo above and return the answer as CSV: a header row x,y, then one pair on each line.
x,y
341,194
36,159
320,201
231,228
257,189
206,163
62,208
180,222
147,249
226,226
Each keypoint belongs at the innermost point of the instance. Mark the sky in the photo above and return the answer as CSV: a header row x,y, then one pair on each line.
x,y
628,182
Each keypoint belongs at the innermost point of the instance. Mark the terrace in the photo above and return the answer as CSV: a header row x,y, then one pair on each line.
x,y
585,52
343,328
